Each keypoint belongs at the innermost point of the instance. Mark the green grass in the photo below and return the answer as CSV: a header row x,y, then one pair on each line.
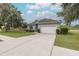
x,y
16,34
71,40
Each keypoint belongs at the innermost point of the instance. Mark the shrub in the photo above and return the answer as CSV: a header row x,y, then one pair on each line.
x,y
58,31
62,29
38,30
27,30
31,30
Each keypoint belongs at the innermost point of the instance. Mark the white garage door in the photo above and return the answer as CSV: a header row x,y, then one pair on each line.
x,y
48,29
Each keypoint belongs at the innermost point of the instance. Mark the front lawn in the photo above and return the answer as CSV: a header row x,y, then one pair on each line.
x,y
70,40
16,34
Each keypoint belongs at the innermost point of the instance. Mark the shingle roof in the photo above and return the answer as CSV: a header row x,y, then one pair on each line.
x,y
44,21
48,21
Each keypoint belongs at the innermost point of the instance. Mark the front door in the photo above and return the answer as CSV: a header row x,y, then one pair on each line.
x,y
36,27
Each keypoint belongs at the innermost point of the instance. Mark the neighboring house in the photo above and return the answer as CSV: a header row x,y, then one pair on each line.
x,y
33,25
45,25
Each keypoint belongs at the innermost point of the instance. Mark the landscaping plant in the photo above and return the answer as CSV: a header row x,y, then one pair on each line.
x,y
62,29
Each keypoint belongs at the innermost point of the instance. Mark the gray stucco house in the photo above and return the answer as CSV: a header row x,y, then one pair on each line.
x,y
45,25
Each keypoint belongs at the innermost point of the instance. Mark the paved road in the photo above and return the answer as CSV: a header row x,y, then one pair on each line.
x,y
34,45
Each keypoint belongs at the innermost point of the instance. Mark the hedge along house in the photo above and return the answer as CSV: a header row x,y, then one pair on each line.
x,y
44,25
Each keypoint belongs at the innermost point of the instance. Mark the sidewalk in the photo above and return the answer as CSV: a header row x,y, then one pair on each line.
x,y
59,51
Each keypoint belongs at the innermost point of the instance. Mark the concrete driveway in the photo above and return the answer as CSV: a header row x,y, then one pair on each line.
x,y
34,45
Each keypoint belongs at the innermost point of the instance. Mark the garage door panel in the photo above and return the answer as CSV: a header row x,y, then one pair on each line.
x,y
46,29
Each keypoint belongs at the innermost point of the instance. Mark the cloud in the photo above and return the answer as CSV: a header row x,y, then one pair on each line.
x,y
56,8
41,13
45,14
29,11
34,7
44,4
41,10
38,6
23,16
27,5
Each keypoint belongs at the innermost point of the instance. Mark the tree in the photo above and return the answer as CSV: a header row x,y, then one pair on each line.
x,y
24,25
70,12
10,15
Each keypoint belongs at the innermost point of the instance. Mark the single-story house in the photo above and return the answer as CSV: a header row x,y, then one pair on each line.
x,y
45,25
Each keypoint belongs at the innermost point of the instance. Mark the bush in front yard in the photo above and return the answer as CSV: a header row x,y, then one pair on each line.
x,y
29,30
38,30
58,31
62,30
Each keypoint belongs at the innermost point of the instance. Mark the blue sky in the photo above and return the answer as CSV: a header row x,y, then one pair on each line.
x,y
36,11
